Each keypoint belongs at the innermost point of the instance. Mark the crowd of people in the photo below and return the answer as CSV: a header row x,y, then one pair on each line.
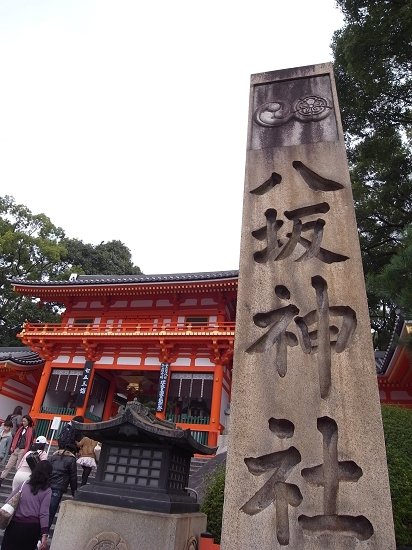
x,y
40,478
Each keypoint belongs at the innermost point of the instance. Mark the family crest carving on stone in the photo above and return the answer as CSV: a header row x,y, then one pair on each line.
x,y
304,109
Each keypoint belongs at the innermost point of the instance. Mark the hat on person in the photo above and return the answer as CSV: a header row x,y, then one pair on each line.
x,y
41,439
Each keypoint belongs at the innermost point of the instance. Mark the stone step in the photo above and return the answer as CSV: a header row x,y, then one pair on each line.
x,y
196,464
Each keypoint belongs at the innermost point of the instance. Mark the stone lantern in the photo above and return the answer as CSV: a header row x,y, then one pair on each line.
x,y
139,497
144,462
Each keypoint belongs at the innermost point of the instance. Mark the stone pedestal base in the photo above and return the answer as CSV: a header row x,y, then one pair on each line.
x,y
96,526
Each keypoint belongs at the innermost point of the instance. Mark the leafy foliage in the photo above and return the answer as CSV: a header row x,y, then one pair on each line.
x,y
393,281
373,53
398,435
373,69
213,502
111,258
32,248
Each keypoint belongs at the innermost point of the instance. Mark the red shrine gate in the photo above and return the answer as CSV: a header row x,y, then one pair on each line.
x,y
166,340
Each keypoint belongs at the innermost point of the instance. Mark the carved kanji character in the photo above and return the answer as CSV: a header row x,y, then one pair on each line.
x,y
313,180
278,320
329,475
318,341
275,490
277,250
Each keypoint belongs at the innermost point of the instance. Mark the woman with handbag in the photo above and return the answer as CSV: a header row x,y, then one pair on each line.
x,y
30,521
20,445
29,461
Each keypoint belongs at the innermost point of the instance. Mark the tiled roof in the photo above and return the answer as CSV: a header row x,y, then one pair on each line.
x,y
379,361
121,279
143,424
20,356
399,324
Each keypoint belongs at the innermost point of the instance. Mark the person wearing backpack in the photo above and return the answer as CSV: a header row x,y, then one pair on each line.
x,y
69,435
25,469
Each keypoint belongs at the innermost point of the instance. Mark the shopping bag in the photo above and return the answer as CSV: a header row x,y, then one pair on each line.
x,y
8,509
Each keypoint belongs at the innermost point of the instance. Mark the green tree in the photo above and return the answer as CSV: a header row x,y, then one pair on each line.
x,y
373,53
381,174
111,258
393,281
32,248
373,69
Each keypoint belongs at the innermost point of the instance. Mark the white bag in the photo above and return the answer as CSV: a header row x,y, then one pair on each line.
x,y
97,450
8,509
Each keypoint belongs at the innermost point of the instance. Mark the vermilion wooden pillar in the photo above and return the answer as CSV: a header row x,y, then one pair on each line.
x,y
216,401
42,388
109,399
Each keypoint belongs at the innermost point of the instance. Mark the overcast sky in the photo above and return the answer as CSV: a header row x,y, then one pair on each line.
x,y
127,119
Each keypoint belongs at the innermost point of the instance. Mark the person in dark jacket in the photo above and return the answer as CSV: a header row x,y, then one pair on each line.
x,y
64,474
69,435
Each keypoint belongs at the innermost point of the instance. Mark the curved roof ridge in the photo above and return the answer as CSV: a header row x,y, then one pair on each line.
x,y
390,350
113,279
20,356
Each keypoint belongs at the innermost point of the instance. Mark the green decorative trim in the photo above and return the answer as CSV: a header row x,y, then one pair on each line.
x,y
93,417
184,418
58,410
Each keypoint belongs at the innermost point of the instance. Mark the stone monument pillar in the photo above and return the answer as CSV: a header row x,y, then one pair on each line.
x,y
306,464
